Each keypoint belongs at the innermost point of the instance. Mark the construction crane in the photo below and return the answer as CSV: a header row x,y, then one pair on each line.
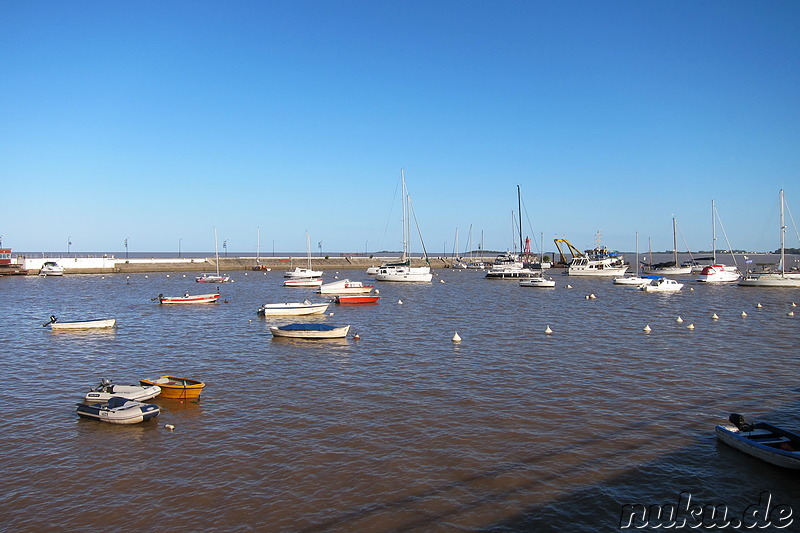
x,y
574,251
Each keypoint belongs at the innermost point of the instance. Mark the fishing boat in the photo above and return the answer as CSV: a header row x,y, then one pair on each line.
x,y
661,284
310,331
173,387
118,410
107,389
538,281
303,282
214,278
188,299
51,268
356,299
780,278
764,441
668,268
715,272
293,309
345,286
403,271
80,324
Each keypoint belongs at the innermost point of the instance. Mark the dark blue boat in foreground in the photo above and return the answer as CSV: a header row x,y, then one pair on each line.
x,y
761,440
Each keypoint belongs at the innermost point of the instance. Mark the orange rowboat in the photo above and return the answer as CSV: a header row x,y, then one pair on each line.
x,y
175,387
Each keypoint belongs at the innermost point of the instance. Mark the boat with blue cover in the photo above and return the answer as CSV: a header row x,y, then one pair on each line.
x,y
310,331
118,410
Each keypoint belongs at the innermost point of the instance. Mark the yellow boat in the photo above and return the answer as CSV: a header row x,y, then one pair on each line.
x,y
175,387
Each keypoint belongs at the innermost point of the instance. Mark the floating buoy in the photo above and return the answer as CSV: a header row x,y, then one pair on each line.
x,y
794,304
691,288
759,306
356,336
569,286
400,301
146,276
592,296
330,314
690,326
441,281
184,275
377,291
714,317
548,330
167,275
744,314
679,320
456,338
587,296
169,426
647,329
790,313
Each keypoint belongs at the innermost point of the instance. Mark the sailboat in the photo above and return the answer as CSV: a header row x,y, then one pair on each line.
x,y
403,271
510,265
715,272
214,278
305,272
775,279
258,265
634,279
669,268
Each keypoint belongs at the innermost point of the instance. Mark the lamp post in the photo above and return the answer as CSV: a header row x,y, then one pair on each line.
x,y
225,247
126,247
319,245
69,244
273,247
179,246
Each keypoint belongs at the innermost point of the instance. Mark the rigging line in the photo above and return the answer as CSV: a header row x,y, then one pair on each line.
x,y
389,217
786,207
726,238
416,223
530,227
691,258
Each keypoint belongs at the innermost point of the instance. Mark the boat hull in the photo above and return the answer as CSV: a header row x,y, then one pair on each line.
x,y
538,283
196,299
119,411
408,274
173,387
310,331
104,393
292,309
635,280
357,299
789,281
764,443
85,324
303,282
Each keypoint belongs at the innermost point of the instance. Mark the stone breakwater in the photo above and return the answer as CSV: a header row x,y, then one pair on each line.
x,y
110,265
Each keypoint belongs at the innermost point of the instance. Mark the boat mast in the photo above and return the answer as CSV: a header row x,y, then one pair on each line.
x,y
216,250
258,244
519,209
404,209
783,238
674,241
713,235
637,254
308,250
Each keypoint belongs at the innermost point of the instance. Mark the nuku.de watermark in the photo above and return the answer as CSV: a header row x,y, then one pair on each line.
x,y
692,515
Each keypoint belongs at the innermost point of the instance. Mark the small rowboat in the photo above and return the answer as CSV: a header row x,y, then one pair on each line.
x,y
292,309
761,440
345,286
82,324
187,299
357,299
310,331
175,387
212,278
119,410
301,282
106,390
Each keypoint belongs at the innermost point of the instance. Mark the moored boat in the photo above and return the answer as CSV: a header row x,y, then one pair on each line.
x,y
51,268
81,324
212,278
173,387
293,309
345,286
538,281
356,299
661,284
303,282
188,299
761,440
118,410
719,274
106,390
310,331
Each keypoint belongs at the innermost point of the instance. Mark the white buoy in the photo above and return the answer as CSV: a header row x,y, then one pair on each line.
x,y
714,317
330,314
647,329
184,275
548,330
759,306
356,336
456,338
167,275
169,426
744,314
586,297
377,291
679,320
794,304
569,286
691,288
690,326
790,313
441,281
592,296
400,301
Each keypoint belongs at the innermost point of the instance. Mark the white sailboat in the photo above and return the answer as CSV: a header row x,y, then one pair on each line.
x,y
634,279
305,272
403,271
510,265
214,278
775,279
716,272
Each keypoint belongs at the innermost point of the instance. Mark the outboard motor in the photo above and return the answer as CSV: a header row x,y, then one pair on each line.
x,y
740,422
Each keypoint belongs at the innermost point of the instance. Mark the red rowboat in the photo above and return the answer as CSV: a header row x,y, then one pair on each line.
x,y
357,299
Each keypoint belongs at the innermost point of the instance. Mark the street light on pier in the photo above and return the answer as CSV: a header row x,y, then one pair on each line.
x,y
179,246
126,247
225,247
69,244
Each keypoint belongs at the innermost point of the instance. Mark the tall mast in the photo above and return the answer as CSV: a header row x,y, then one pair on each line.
x,y
674,241
216,250
519,210
404,208
713,234
783,238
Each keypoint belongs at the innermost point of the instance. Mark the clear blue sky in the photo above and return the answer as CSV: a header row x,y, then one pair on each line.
x,y
159,121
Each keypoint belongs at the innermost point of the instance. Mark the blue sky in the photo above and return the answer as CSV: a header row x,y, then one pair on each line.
x,y
158,121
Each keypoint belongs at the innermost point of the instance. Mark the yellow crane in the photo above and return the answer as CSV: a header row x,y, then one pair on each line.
x,y
562,260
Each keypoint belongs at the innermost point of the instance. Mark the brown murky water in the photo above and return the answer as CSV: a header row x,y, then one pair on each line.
x,y
402,430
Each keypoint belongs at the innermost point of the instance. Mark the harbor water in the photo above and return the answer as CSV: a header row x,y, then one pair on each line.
x,y
511,429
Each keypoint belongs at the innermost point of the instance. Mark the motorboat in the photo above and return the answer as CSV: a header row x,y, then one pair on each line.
x,y
634,280
173,387
107,389
537,281
764,441
303,282
118,410
51,268
356,299
310,331
188,299
345,286
303,273
404,273
509,266
662,285
80,324
598,262
719,274
293,309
